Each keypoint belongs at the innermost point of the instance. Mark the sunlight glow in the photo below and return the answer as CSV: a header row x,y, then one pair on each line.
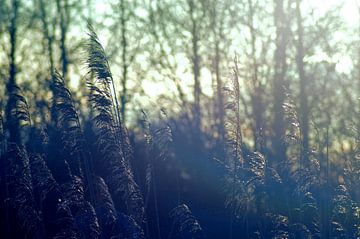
x,y
154,88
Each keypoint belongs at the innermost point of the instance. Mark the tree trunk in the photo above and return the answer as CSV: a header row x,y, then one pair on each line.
x,y
196,65
63,9
123,97
279,146
49,38
12,68
220,96
256,98
304,109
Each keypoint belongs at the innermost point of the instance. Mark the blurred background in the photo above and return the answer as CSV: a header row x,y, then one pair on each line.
x,y
273,83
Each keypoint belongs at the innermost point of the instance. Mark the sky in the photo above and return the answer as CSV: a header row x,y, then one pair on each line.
x,y
350,11
348,8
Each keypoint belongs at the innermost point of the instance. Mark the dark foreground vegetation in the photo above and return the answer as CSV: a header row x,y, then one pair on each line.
x,y
277,160
95,179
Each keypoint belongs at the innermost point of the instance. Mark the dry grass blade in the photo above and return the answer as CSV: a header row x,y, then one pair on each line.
x,y
86,222
97,61
185,223
19,194
48,195
18,114
105,209
68,124
114,168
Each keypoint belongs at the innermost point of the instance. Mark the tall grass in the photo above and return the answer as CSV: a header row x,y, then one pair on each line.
x,y
65,180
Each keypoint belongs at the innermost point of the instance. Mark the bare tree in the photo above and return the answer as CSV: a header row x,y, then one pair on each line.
x,y
258,91
178,32
13,27
49,37
281,24
304,109
129,33
64,13
125,64
195,56
216,11
162,60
